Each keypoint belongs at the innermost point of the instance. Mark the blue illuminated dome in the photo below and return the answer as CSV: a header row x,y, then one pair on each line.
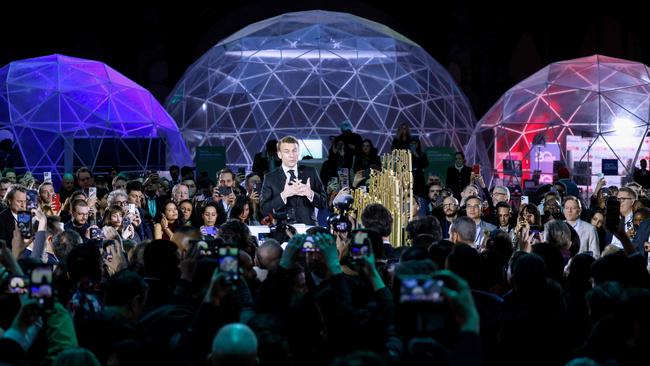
x,y
304,74
57,104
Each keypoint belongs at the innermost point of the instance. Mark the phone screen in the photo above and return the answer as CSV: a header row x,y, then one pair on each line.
x,y
228,259
92,192
131,207
17,285
360,245
41,284
211,230
24,219
47,176
524,200
32,199
421,289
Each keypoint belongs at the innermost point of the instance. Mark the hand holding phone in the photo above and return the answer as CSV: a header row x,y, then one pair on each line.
x,y
476,169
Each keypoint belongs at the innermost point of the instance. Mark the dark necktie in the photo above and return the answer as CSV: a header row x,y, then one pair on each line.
x,y
292,176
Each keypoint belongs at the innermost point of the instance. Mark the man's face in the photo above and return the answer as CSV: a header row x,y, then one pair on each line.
x,y
571,210
638,219
46,194
460,161
473,207
226,180
289,154
80,215
191,186
627,201
174,173
19,203
85,180
434,192
135,197
11,176
449,206
251,182
504,216
551,205
4,188
182,193
434,179
68,184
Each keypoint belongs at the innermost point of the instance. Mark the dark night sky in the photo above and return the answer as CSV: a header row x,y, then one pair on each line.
x,y
489,46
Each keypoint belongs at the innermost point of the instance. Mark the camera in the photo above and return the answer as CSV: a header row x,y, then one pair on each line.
x,y
279,230
360,246
340,222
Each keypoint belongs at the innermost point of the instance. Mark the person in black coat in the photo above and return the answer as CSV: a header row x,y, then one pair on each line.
x,y
266,161
458,176
294,189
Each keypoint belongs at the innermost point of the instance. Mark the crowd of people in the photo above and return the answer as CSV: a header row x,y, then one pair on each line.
x,y
135,270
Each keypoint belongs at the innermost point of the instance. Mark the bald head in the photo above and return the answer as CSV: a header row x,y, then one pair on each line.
x,y
268,254
234,344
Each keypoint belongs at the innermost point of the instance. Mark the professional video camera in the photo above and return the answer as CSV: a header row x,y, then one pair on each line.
x,y
339,222
279,230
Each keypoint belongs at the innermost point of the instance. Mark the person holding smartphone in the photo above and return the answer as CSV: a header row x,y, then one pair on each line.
x,y
210,215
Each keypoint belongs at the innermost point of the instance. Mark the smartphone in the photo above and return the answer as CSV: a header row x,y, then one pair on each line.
x,y
56,202
206,247
344,176
47,176
92,192
126,221
360,245
256,188
41,285
199,197
601,175
476,169
309,246
612,214
210,230
132,208
261,237
24,219
96,233
524,200
32,199
225,191
228,262
17,285
418,288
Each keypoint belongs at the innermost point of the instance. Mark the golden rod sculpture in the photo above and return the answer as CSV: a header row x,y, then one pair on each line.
x,y
391,187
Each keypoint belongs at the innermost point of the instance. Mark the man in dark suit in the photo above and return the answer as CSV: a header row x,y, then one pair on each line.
x,y
16,201
294,189
458,176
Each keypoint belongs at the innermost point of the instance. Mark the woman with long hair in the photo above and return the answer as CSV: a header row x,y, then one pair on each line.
x,y
169,221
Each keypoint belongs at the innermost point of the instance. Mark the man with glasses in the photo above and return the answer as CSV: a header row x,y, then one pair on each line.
x,y
626,197
473,206
450,209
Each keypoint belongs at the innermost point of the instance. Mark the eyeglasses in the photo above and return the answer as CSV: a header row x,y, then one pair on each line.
x,y
121,203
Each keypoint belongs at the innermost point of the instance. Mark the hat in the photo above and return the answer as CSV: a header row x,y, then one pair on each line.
x,y
346,126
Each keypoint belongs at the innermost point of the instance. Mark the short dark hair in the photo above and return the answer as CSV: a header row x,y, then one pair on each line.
x,y
424,225
133,185
83,169
377,217
502,205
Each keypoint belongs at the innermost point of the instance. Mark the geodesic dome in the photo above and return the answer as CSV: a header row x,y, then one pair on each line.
x,y
303,74
590,108
49,103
